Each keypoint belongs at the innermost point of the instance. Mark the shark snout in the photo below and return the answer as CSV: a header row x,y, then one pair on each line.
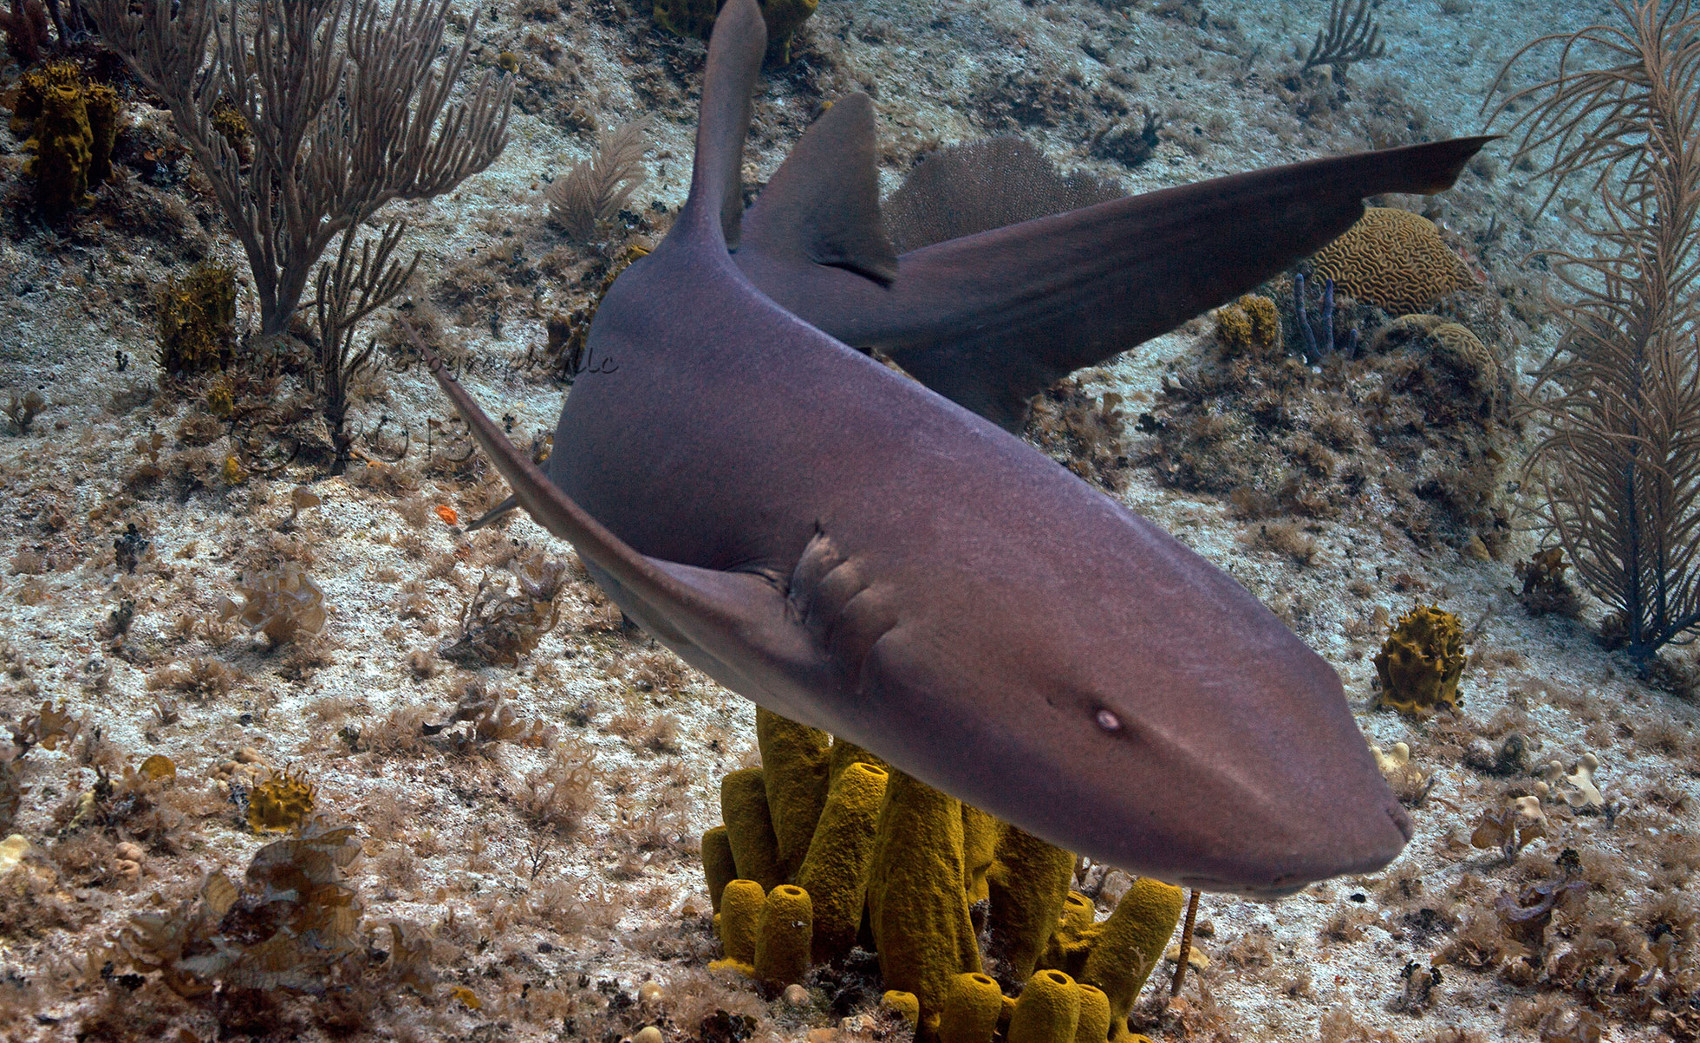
x,y
1365,844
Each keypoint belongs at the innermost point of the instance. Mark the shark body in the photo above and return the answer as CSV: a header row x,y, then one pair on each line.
x,y
852,550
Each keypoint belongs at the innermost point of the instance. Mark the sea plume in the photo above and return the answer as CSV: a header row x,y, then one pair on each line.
x,y
1620,396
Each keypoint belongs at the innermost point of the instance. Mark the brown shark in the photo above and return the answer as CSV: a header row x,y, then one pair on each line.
x,y
851,550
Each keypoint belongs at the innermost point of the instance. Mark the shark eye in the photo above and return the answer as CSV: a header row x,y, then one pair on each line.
x,y
1109,721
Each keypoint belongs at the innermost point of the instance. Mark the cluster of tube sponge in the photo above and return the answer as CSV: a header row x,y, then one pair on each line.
x,y
825,848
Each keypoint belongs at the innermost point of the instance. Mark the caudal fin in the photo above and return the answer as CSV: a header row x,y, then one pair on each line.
x,y
990,320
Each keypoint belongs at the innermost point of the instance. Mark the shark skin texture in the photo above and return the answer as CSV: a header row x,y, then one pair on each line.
x,y
852,550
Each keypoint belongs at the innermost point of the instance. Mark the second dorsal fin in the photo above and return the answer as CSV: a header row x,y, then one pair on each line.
x,y
822,205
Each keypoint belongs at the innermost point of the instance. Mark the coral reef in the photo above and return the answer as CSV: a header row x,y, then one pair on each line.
x,y
1405,421
1393,259
1082,432
1421,662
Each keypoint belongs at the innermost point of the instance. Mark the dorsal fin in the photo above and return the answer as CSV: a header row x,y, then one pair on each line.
x,y
734,61
823,204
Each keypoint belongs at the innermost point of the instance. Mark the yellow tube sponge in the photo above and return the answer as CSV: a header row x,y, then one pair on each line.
x,y
1048,1010
980,833
782,936
1066,951
845,754
794,760
1131,941
917,907
743,807
1028,882
1077,911
718,866
971,1009
740,918
903,1003
1094,1024
835,871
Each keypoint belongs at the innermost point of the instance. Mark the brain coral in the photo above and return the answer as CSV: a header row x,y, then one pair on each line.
x,y
1454,345
1466,352
1394,259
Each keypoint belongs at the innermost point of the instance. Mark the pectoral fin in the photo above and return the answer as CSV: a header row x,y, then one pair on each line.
x,y
732,625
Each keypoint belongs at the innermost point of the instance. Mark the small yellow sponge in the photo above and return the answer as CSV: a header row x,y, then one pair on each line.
x,y
1028,885
917,903
743,807
782,936
1048,1010
1094,1025
718,866
971,1009
740,918
794,764
1422,662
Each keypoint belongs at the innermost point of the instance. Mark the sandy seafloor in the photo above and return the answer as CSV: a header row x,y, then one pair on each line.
x,y
619,898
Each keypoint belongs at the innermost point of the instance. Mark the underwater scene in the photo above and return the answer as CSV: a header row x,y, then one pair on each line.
x,y
982,521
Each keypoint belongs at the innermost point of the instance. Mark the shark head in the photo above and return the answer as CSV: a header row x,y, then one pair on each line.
x,y
1134,704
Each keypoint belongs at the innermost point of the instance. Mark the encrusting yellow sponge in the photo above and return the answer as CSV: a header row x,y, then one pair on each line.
x,y
782,936
1048,1010
743,807
835,870
1129,943
971,1009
